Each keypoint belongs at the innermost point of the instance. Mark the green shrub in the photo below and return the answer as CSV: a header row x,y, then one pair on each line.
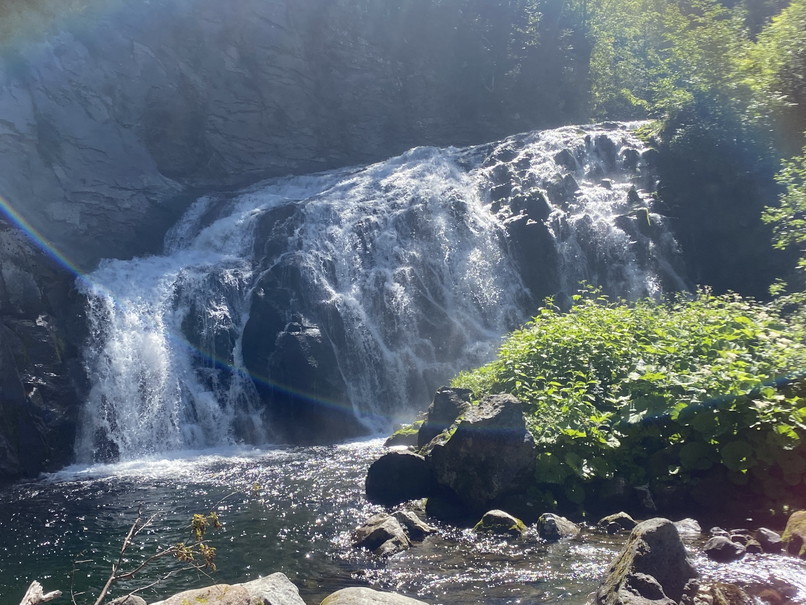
x,y
680,393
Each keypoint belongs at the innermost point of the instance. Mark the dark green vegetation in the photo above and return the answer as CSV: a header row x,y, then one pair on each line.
x,y
696,398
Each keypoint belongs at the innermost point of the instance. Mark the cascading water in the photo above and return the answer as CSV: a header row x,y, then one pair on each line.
x,y
363,288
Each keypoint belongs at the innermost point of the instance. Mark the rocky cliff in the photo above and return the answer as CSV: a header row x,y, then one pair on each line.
x,y
113,116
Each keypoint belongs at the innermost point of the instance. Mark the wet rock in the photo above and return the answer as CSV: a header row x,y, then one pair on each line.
x,y
723,549
399,476
652,568
552,527
448,404
489,455
753,546
770,541
566,159
416,529
500,523
405,436
688,528
367,596
616,522
718,531
630,157
382,534
794,536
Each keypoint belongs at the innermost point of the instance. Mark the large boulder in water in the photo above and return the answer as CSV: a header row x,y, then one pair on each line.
x,y
275,589
651,569
490,455
398,476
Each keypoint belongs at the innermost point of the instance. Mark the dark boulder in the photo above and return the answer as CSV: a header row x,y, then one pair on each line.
x,y
723,550
490,454
652,568
448,404
398,476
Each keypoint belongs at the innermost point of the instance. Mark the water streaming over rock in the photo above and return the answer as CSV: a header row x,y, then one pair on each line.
x,y
308,308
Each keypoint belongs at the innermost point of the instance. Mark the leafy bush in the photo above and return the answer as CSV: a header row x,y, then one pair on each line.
x,y
687,394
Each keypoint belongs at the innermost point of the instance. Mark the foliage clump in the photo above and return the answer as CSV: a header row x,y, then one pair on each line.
x,y
683,395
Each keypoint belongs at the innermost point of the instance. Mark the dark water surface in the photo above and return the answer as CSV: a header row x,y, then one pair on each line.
x,y
289,510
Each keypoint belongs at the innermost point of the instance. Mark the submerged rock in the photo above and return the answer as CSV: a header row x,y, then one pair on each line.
x,y
552,527
367,596
652,568
794,536
500,523
489,455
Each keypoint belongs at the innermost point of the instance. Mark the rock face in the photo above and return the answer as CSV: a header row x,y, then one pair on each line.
x,y
652,568
40,376
489,455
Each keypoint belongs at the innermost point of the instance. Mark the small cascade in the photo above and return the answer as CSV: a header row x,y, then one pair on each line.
x,y
300,305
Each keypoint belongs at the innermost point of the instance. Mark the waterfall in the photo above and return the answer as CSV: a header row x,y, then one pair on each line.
x,y
358,289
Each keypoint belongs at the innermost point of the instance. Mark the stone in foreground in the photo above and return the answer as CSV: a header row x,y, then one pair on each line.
x,y
367,596
652,569
275,589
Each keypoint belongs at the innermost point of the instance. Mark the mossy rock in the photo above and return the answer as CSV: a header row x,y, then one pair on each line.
x,y
500,523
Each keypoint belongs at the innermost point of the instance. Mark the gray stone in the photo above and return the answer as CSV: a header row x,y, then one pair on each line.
x,y
218,594
723,549
382,534
651,569
490,453
500,523
552,527
688,528
794,536
770,541
275,589
416,529
367,596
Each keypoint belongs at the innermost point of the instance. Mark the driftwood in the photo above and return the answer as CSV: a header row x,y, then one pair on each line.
x,y
35,595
